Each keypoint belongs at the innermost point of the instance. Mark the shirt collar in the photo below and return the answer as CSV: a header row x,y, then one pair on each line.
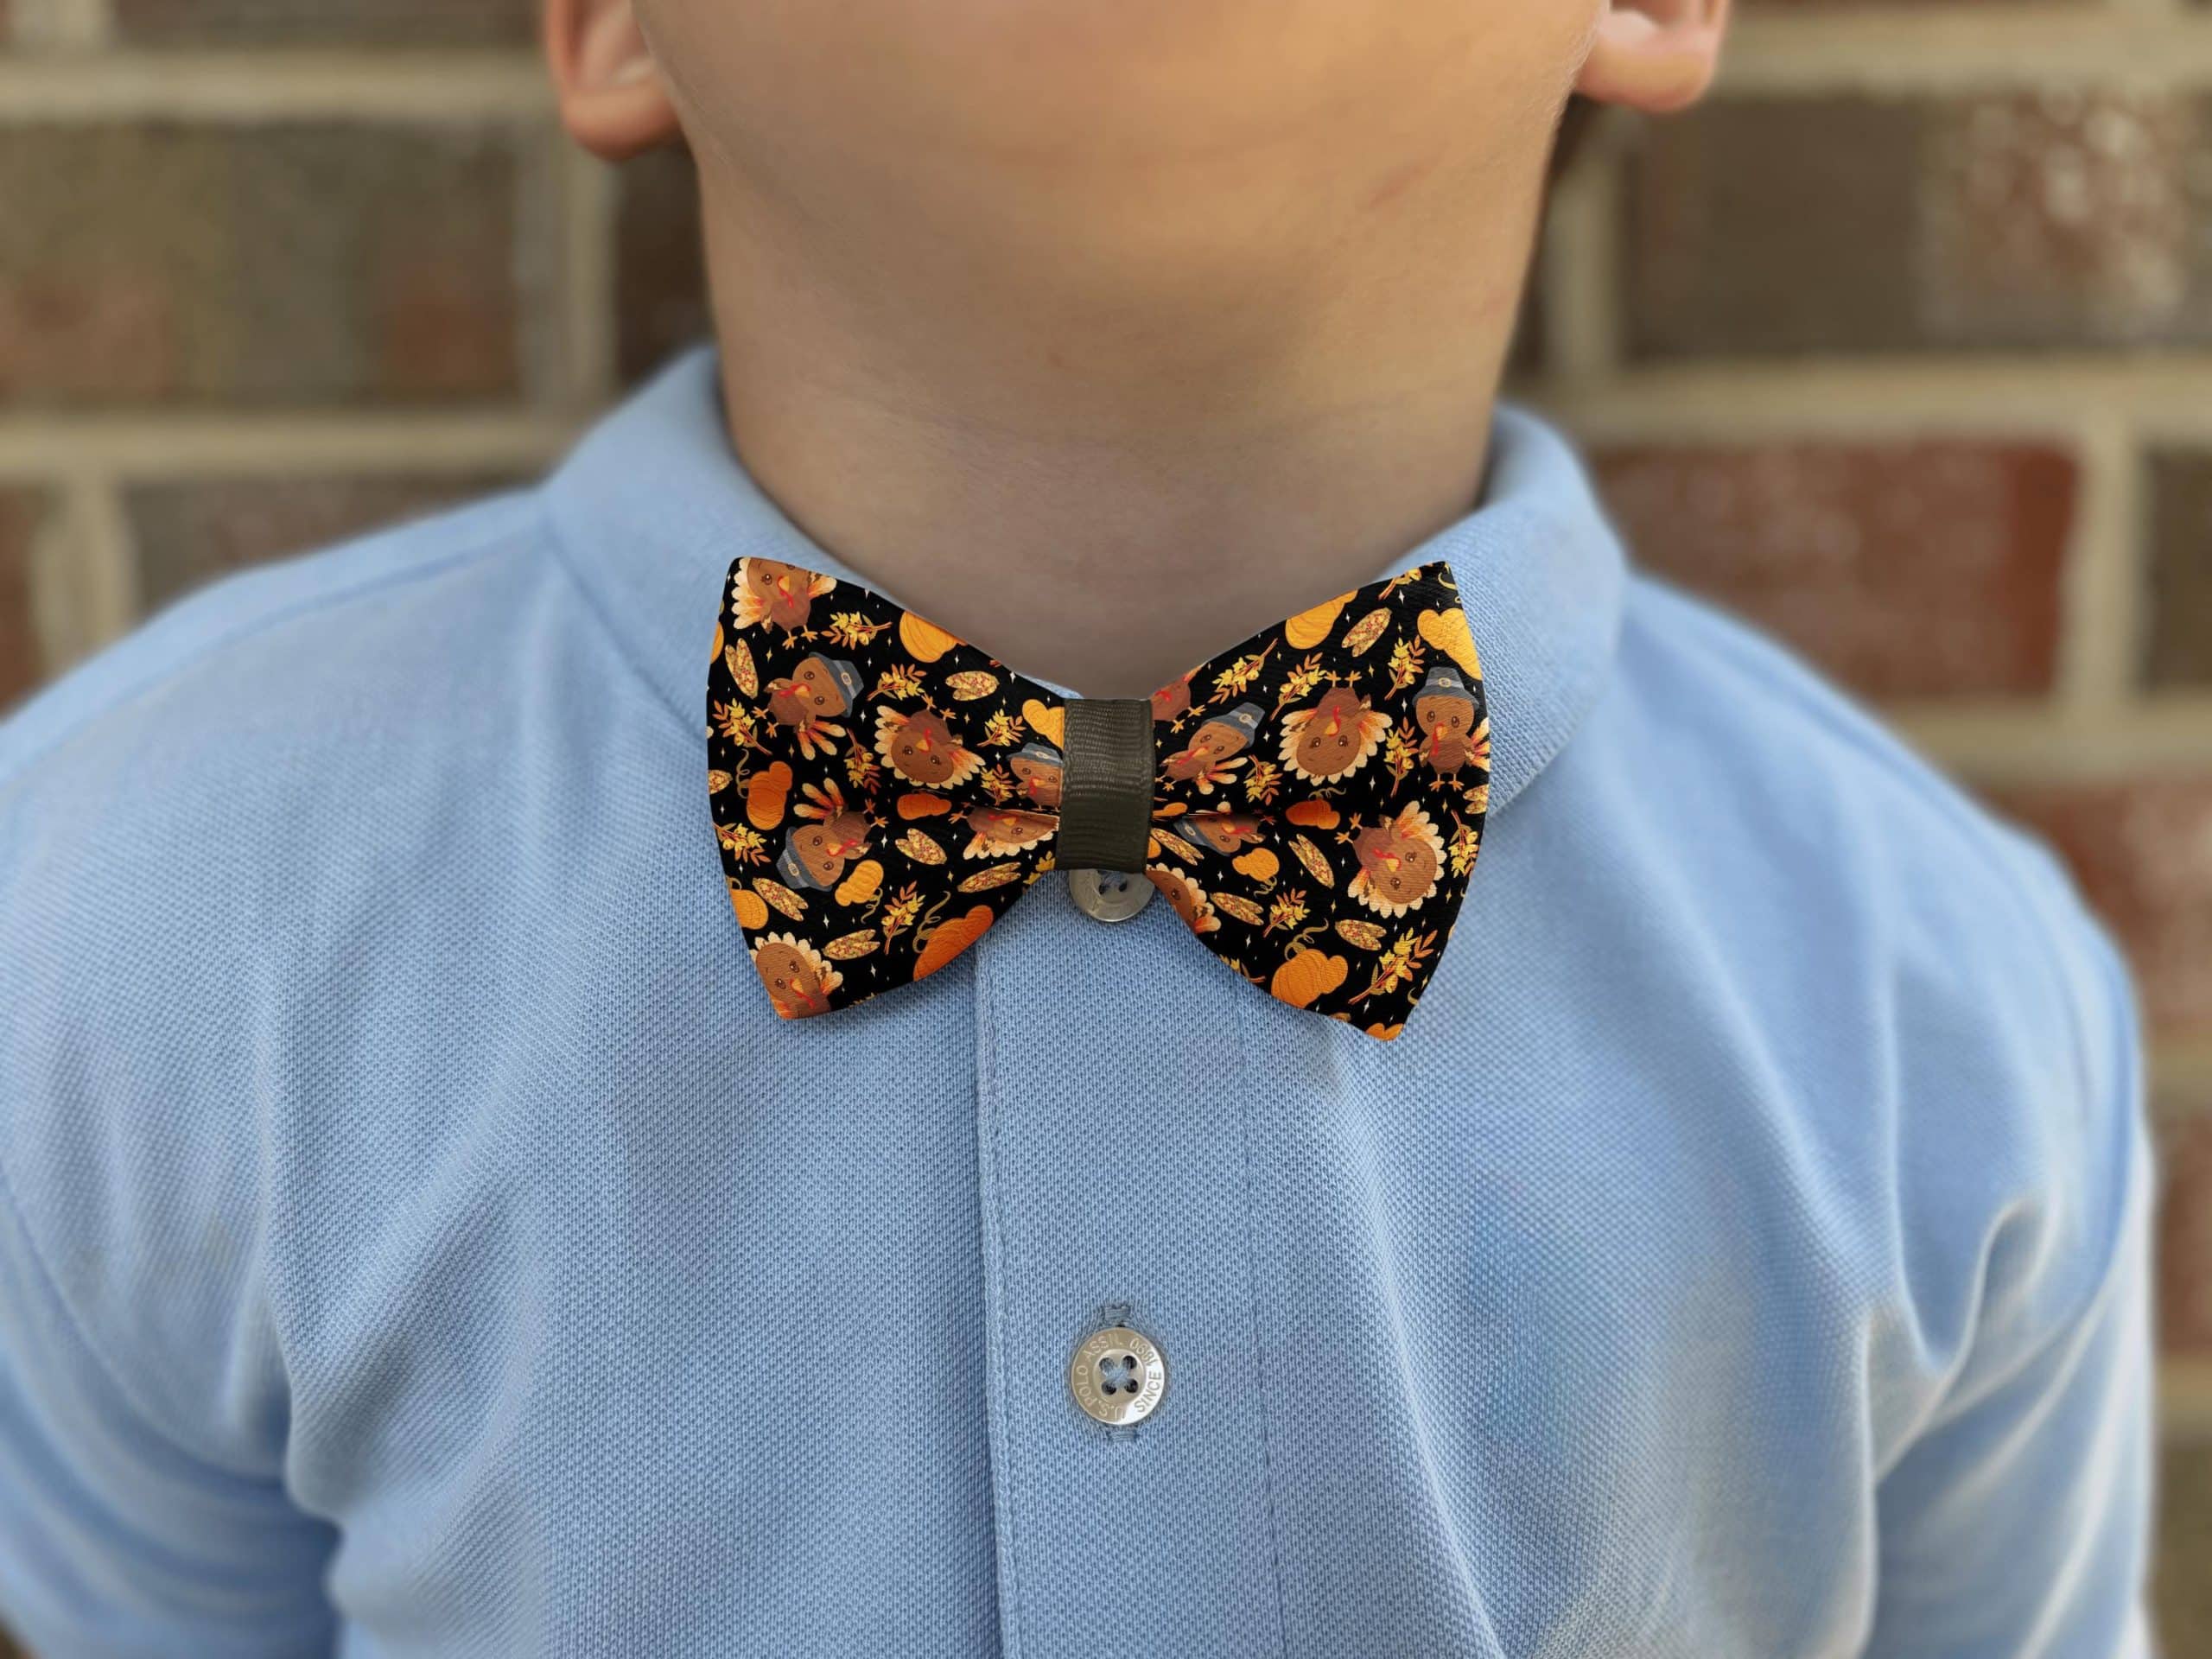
x,y
652,506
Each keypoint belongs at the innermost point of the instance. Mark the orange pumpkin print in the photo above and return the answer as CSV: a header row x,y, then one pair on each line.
x,y
948,939
766,792
1308,974
1320,792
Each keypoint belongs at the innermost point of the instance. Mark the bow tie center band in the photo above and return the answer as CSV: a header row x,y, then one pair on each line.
x,y
1311,803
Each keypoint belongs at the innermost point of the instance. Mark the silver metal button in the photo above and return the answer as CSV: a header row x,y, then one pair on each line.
x,y
1109,895
1118,1374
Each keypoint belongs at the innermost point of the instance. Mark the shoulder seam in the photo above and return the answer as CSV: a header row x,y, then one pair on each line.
x,y
1860,731
474,548
1981,833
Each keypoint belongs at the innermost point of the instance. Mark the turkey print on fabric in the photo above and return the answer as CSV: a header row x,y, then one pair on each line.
x,y
882,791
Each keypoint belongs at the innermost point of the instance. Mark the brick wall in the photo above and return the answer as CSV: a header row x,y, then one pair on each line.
x,y
1902,345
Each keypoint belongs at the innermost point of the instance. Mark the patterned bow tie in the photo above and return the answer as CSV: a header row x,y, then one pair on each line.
x,y
1311,803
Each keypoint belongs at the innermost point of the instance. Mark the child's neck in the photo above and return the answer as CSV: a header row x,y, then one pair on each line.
x,y
1108,498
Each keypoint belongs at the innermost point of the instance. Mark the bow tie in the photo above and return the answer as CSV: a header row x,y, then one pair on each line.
x,y
1310,802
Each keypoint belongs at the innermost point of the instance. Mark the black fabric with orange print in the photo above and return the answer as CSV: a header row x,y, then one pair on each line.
x,y
882,791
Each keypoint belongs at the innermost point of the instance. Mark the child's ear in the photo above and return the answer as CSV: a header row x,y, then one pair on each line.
x,y
1654,55
613,100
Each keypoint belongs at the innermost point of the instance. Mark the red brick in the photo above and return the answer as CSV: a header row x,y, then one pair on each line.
x,y
660,280
1916,570
2142,851
2177,639
1773,225
257,265
2184,1245
282,22
2054,219
22,664
191,531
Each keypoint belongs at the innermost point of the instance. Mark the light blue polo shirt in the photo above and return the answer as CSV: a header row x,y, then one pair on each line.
x,y
420,1236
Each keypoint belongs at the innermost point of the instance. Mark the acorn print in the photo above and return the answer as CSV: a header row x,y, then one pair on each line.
x,y
882,791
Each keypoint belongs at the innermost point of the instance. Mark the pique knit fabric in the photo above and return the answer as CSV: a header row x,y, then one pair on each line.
x,y
883,791
420,1236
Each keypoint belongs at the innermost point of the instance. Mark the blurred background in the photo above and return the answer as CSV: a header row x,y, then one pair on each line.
x,y
1902,347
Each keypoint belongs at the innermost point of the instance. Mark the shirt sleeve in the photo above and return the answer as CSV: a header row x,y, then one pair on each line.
x,y
2016,1523
115,1539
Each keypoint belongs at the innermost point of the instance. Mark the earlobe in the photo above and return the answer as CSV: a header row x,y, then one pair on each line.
x,y
613,100
1654,55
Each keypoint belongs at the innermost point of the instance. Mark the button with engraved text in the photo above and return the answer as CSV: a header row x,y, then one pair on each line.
x,y
1108,895
1118,1374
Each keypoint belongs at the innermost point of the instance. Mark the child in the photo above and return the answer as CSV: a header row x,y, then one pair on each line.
x,y
597,1077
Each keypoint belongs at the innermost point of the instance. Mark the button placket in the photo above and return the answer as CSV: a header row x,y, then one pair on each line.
x,y
1111,1086
1117,1374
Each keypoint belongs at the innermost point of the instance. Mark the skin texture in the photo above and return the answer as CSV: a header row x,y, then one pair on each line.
x,y
1107,335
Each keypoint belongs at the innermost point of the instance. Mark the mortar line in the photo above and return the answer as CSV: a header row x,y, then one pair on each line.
x,y
84,575
2099,617
592,199
1892,50
1579,267
62,25
463,85
2029,742
139,446
2164,397
2185,1400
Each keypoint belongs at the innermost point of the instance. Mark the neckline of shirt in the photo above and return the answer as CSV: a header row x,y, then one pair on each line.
x,y
653,505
